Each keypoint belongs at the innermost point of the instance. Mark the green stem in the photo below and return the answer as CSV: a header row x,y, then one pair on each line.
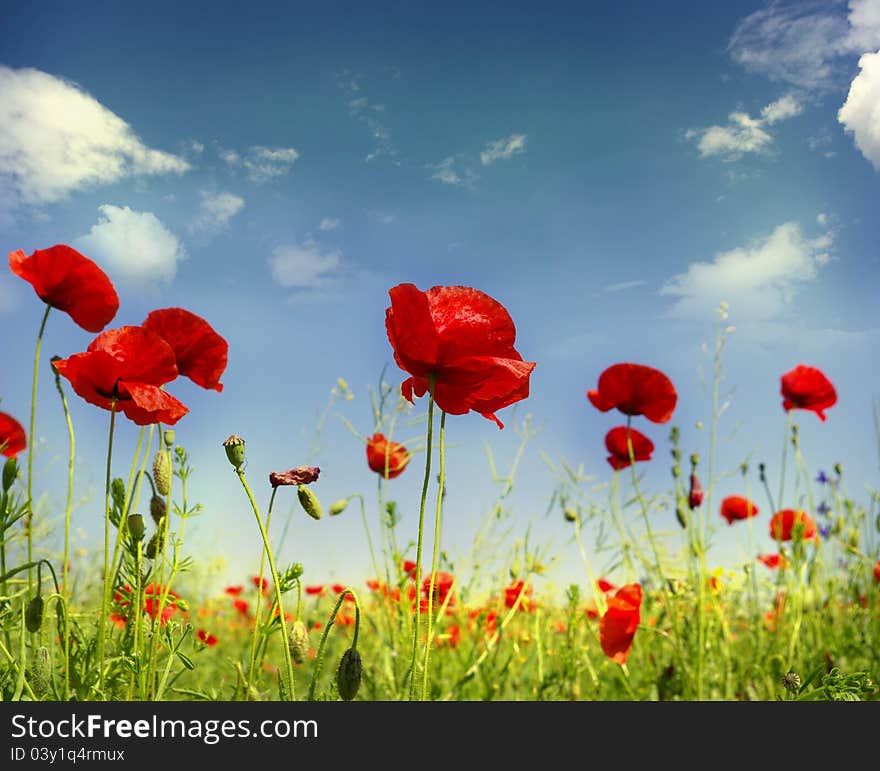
x,y
319,657
257,632
102,619
436,552
417,611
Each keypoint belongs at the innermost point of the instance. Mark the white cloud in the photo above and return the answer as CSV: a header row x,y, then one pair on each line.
x,y
329,223
304,265
215,211
261,163
622,286
744,134
803,43
371,114
55,139
761,278
860,113
132,246
502,149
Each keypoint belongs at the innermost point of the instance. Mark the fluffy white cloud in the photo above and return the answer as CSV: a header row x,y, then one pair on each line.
x,y
55,139
860,114
262,163
329,223
132,246
304,265
502,149
215,211
758,281
453,171
744,134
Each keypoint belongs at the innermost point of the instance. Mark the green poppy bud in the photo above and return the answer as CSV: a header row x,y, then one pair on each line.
x,y
154,546
168,437
570,514
41,671
33,614
681,516
158,509
348,676
136,526
298,641
337,507
309,501
235,450
162,472
10,474
117,492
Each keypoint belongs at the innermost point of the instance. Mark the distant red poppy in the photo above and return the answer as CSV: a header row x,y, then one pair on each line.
x,y
635,389
128,364
315,590
773,561
12,437
695,493
783,522
301,475
877,570
807,388
242,606
620,622
234,590
338,588
153,597
450,637
118,620
409,567
464,339
200,352
69,281
735,507
442,587
512,592
261,583
383,454
208,639
616,444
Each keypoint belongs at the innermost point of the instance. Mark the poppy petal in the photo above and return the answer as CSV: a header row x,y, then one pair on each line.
x,y
149,404
12,436
620,622
635,389
411,330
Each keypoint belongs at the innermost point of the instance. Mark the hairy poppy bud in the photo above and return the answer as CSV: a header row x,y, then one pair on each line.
x,y
162,472
298,641
33,614
10,473
309,501
570,514
695,496
41,671
136,526
158,509
235,450
681,516
348,677
117,492
338,507
153,547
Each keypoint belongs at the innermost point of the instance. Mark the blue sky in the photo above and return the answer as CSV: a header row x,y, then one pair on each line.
x,y
610,172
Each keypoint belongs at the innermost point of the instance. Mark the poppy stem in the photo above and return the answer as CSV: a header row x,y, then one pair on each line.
x,y
441,482
256,635
319,656
784,457
102,619
417,608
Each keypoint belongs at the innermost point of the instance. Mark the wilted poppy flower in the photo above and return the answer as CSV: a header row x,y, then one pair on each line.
x,y
208,639
301,475
12,437
735,507
200,352
512,593
464,339
616,444
386,458
126,365
635,389
773,561
442,587
783,522
695,493
807,388
619,623
69,281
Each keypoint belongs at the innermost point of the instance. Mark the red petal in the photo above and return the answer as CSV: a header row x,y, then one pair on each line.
x,y
150,404
144,356
616,444
12,436
411,330
93,375
620,622
200,352
635,390
807,388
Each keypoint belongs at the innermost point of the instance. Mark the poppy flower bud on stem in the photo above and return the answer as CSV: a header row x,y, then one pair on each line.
x,y
337,507
168,437
235,450
695,495
41,671
158,509
348,676
309,501
33,614
298,641
10,474
136,526
162,472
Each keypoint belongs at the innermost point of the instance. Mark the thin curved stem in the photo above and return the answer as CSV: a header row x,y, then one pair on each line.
x,y
102,619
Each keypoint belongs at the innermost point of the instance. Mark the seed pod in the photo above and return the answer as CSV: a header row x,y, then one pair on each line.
x,y
309,501
10,472
337,507
153,547
41,671
162,472
168,437
235,450
33,615
158,509
298,641
136,526
348,677
570,514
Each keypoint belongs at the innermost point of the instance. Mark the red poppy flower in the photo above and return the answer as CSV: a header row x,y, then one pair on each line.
x,y
234,590
773,561
409,567
465,340
301,475
338,588
208,639
877,571
616,444
200,352
807,388
512,592
69,281
118,620
127,364
383,454
153,594
12,437
618,626
783,522
442,587
735,507
261,583
242,607
451,637
314,590
695,494
635,389
603,586
491,622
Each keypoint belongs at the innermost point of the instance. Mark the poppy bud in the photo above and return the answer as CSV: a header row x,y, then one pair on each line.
x,y
570,514
153,547
853,538
162,472
10,473
681,516
168,437
838,469
348,677
309,501
235,450
695,496
298,641
695,460
296,570
136,526
41,671
158,509
117,492
338,507
33,614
